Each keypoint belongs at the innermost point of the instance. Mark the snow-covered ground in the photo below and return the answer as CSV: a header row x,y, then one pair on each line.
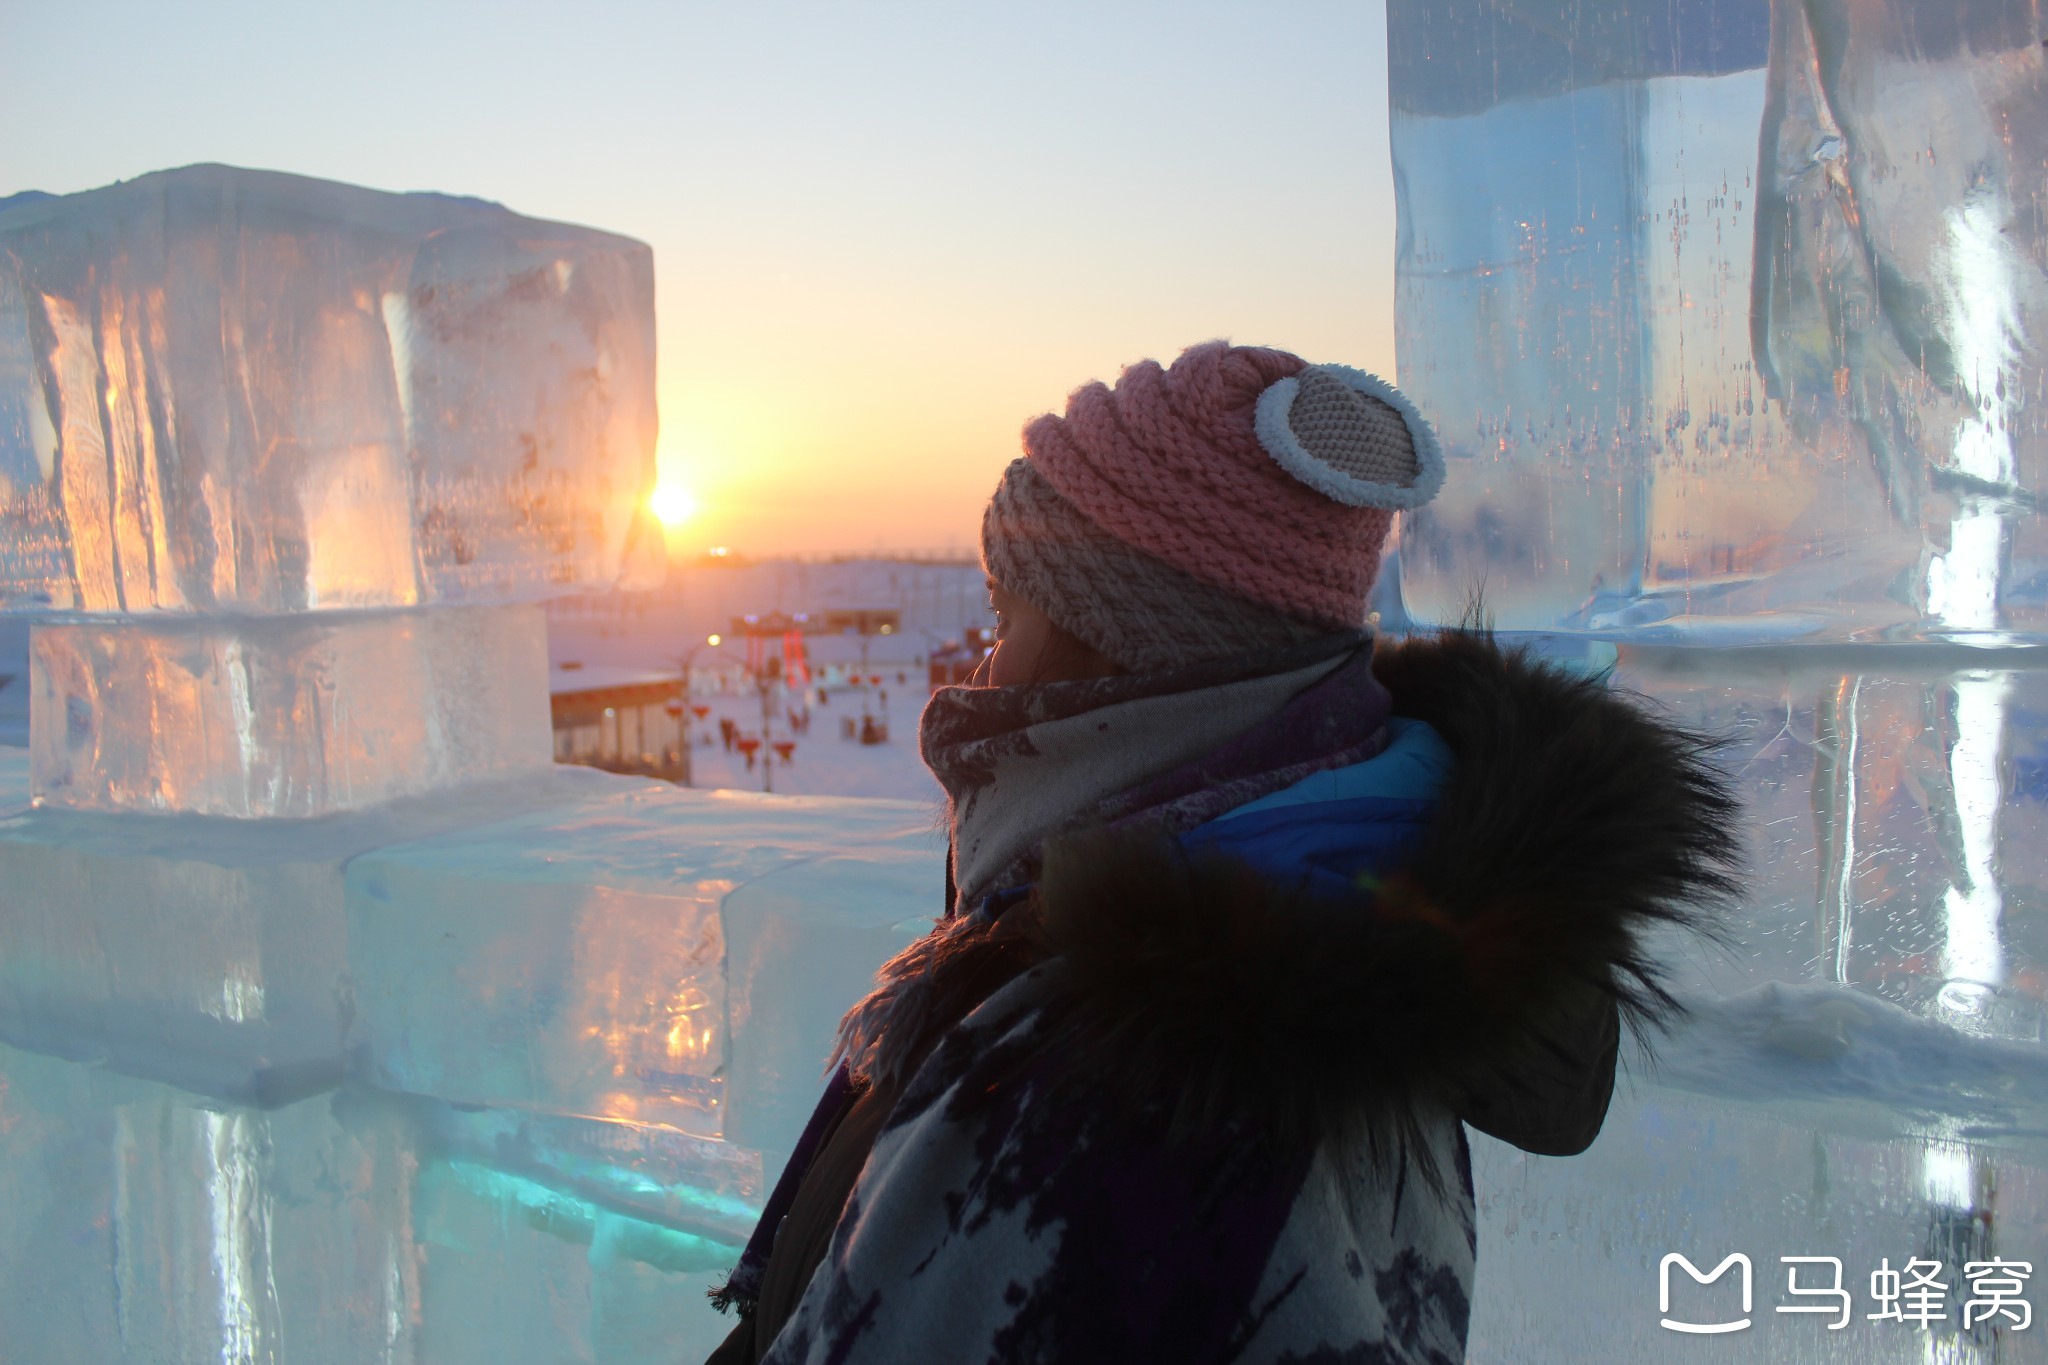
x,y
826,761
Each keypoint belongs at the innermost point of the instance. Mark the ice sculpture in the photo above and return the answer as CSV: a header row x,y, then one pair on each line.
x,y
336,1022
229,397
1730,313
1656,257
239,392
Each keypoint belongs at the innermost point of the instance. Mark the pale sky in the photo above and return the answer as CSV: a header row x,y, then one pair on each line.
x,y
885,234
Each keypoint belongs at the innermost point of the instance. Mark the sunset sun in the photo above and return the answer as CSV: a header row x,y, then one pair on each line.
x,y
672,504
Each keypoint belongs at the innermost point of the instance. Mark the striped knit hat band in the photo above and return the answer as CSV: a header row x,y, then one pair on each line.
x,y
1140,611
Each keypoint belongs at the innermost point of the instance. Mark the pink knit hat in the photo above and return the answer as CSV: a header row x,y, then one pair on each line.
x,y
1236,499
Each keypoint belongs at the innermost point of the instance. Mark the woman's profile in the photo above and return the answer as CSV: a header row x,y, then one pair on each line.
x,y
1250,912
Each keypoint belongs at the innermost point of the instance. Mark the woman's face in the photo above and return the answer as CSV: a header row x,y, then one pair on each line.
x,y
1031,649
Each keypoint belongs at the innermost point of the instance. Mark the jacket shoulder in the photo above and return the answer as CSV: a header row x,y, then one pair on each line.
x,y
1573,823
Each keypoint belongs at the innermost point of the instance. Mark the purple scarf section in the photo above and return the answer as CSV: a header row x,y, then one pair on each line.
x,y
970,735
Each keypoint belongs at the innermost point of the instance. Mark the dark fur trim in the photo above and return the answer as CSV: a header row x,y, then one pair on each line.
x,y
929,987
726,1299
1203,994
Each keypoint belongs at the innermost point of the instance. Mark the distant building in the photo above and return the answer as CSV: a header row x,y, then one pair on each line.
x,y
923,600
954,662
623,720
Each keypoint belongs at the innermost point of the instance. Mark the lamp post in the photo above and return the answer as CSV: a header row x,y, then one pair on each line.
x,y
768,679
683,720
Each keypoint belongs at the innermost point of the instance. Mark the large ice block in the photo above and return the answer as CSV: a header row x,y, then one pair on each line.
x,y
13,683
574,1239
292,716
143,1225
244,392
472,1053
147,1225
655,954
206,953
1572,1252
1896,805
13,777
1728,313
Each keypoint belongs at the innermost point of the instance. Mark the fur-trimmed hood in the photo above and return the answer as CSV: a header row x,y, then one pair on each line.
x,y
1573,823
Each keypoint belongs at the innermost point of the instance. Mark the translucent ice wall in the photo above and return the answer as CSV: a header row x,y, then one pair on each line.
x,y
1730,312
1731,315
338,1024
487,1077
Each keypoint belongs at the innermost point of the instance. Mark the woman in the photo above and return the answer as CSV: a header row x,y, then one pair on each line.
x,y
1248,914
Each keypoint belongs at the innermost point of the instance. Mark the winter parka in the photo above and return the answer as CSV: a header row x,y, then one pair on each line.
x,y
1202,1099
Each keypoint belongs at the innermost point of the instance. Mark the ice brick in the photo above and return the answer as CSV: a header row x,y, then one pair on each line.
x,y
297,716
1896,807
1722,335
1570,1250
14,783
207,953
13,684
557,1238
583,961
802,945
144,1226
513,1270
244,392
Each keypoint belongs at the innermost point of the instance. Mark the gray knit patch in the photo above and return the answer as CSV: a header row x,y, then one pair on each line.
x,y
1352,432
1138,610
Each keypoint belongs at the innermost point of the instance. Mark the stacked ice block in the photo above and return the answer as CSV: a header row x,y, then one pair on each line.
x,y
1730,313
336,1023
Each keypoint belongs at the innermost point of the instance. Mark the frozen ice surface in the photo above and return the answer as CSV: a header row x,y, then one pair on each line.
x,y
618,958
1727,313
560,1239
206,953
802,944
145,1226
293,716
1570,1251
1897,810
703,1189
1837,1058
246,392
13,683
1657,258
13,778
599,1006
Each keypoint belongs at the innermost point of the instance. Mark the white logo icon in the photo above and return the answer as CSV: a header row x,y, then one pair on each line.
x,y
1702,1328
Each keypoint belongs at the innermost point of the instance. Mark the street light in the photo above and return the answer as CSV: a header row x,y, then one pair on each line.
x,y
683,726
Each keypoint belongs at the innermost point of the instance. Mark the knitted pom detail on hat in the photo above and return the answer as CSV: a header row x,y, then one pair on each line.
x,y
1352,437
